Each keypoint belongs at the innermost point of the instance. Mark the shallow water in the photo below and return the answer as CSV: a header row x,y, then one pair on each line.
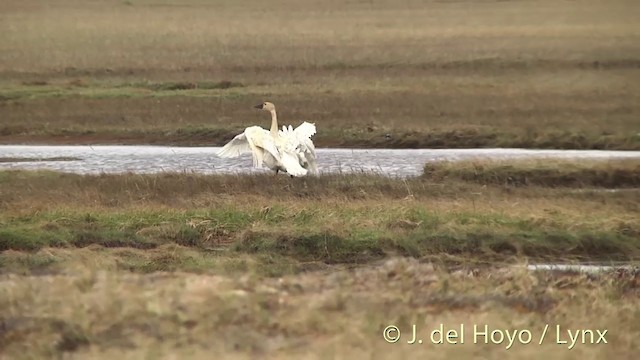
x,y
150,159
582,268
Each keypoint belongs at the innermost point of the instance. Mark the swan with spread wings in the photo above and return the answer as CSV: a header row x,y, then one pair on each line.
x,y
288,150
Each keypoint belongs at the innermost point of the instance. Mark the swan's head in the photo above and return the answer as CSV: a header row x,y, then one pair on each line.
x,y
266,106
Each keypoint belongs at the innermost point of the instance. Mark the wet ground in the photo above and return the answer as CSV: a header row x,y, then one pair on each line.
x,y
151,159
584,268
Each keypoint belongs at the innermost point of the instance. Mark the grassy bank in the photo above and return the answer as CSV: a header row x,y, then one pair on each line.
x,y
547,173
381,74
332,219
355,234
191,265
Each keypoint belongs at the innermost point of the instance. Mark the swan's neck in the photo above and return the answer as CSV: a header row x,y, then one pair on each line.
x,y
274,123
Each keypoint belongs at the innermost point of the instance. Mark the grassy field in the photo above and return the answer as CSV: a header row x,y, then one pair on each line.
x,y
534,74
317,315
187,265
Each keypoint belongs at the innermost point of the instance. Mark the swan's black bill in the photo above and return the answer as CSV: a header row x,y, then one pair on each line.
x,y
258,106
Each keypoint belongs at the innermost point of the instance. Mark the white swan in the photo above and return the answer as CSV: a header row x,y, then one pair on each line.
x,y
288,150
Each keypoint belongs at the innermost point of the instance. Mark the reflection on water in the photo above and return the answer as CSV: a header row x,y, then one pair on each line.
x,y
149,159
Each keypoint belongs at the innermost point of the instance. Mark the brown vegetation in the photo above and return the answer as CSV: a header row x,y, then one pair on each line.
x,y
428,74
100,315
562,173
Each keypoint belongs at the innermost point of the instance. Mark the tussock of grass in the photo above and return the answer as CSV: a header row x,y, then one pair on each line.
x,y
551,173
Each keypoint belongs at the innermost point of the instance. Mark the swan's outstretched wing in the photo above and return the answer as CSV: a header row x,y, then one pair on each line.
x,y
300,136
254,139
300,140
261,141
310,156
236,147
305,130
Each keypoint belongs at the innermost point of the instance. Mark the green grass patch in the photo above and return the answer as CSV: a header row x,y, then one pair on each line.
x,y
332,219
282,233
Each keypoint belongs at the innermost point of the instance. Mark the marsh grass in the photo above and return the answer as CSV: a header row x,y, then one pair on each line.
x,y
330,219
359,116
207,85
354,238
97,314
430,74
549,173
181,264
335,35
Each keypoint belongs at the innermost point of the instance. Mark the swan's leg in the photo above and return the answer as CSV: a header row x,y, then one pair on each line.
x,y
277,171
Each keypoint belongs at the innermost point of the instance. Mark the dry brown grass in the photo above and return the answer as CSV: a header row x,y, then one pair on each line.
x,y
24,191
431,74
559,173
224,36
316,315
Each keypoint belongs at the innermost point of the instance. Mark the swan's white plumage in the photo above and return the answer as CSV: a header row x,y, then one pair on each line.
x,y
291,163
236,147
289,150
255,140
300,139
